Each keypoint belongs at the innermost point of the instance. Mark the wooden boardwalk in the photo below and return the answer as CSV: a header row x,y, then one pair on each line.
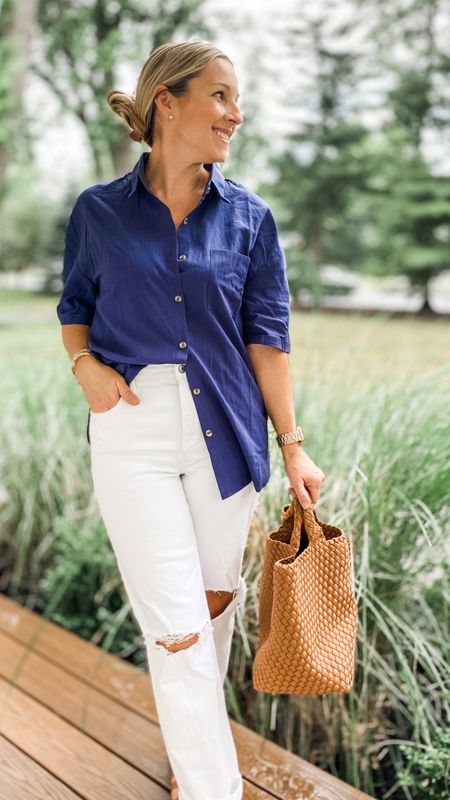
x,y
77,722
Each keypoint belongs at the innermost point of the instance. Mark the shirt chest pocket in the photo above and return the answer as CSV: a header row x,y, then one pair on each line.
x,y
227,274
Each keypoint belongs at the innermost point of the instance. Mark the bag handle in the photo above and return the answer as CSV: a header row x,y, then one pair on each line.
x,y
305,516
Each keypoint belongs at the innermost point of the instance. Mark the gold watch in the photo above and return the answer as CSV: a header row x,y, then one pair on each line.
x,y
290,436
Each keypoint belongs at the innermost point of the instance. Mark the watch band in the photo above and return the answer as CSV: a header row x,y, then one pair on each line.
x,y
290,436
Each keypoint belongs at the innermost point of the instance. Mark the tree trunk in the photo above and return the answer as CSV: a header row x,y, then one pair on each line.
x,y
316,248
425,309
18,32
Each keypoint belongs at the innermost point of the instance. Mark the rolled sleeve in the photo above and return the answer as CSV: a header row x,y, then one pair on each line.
x,y
78,298
266,299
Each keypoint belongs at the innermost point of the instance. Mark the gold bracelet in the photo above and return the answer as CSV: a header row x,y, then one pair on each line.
x,y
83,352
290,436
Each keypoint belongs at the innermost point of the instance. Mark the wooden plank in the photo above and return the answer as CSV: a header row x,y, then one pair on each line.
x,y
135,738
23,779
114,698
72,756
115,677
286,775
129,735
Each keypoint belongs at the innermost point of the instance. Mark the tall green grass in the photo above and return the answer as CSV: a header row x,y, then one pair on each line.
x,y
378,424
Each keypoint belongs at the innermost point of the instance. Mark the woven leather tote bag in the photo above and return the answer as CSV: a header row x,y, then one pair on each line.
x,y
307,608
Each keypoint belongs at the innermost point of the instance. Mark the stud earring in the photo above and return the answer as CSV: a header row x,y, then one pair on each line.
x,y
170,116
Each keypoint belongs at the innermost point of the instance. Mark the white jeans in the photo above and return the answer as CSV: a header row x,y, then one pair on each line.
x,y
175,537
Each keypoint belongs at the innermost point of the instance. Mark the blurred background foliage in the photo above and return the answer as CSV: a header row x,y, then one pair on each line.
x,y
353,183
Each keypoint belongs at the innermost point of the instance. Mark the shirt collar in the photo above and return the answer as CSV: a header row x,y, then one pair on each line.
x,y
138,173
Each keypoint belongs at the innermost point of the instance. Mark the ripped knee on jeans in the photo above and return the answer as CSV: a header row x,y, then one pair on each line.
x,y
173,642
219,600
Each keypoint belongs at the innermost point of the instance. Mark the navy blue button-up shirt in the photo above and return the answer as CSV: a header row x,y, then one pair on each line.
x,y
195,296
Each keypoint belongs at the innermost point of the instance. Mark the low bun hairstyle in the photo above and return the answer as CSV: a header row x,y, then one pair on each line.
x,y
172,64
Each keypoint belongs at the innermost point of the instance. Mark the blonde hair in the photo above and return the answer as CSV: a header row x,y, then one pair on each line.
x,y
171,64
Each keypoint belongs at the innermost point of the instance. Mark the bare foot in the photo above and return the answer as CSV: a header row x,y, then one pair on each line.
x,y
173,788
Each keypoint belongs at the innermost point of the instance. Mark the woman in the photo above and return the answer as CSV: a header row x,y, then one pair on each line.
x,y
175,287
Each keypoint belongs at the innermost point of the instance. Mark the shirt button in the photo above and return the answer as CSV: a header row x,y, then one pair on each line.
x,y
178,298
196,390
209,432
182,344
185,221
181,367
182,258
